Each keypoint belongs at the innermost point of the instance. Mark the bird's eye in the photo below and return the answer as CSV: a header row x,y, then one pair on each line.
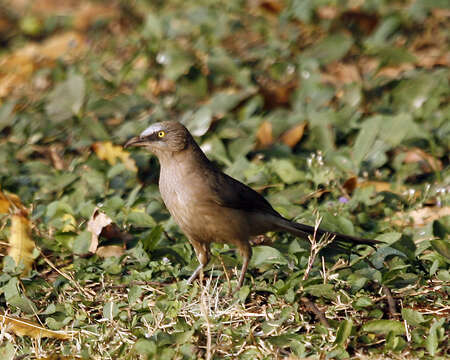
x,y
161,134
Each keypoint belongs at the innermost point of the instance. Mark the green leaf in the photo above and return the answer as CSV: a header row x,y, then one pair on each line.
x,y
110,310
66,99
321,290
343,332
442,247
145,347
332,48
286,171
384,327
200,121
412,317
140,218
389,238
7,114
82,243
7,351
366,138
432,341
263,255
440,228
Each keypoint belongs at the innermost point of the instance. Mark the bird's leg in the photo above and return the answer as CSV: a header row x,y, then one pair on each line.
x,y
202,252
246,253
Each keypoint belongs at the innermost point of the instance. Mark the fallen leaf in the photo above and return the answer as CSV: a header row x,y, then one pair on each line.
x,y
264,135
421,217
379,185
70,223
95,226
21,244
89,13
10,201
109,152
276,93
110,250
427,162
327,12
350,184
362,22
23,327
338,73
17,68
395,71
292,136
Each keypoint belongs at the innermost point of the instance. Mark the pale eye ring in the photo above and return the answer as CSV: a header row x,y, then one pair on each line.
x,y
161,134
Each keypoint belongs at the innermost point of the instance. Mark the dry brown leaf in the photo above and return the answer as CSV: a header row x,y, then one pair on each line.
x,y
350,184
427,162
364,22
338,74
89,13
110,250
21,244
327,12
274,6
109,152
95,226
292,136
264,135
422,216
17,68
276,93
395,71
379,185
22,327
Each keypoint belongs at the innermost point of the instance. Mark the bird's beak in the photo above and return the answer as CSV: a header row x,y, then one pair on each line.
x,y
135,141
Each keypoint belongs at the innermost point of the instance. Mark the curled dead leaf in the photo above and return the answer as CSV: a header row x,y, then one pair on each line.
x,y
427,162
350,184
292,136
95,225
264,135
23,327
110,250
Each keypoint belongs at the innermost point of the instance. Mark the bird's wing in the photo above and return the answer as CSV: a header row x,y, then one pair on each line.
x,y
231,193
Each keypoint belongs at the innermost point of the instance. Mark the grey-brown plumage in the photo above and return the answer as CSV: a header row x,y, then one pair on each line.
x,y
208,205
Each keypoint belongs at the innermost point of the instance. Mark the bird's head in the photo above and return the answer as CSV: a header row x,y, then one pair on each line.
x,y
163,137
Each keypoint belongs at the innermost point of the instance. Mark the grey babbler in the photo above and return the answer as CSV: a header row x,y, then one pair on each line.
x,y
210,206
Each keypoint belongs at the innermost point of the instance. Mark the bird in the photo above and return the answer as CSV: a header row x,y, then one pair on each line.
x,y
208,205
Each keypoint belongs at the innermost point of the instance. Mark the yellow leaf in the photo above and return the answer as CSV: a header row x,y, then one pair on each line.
x,y
69,223
8,201
109,152
21,245
22,327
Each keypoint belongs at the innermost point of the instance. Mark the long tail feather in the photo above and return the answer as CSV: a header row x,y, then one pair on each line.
x,y
303,231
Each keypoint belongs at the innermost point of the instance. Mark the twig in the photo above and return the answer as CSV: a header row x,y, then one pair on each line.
x,y
310,306
316,246
227,276
390,301
204,306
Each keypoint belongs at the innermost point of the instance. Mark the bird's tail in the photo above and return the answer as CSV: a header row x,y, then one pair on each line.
x,y
303,231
